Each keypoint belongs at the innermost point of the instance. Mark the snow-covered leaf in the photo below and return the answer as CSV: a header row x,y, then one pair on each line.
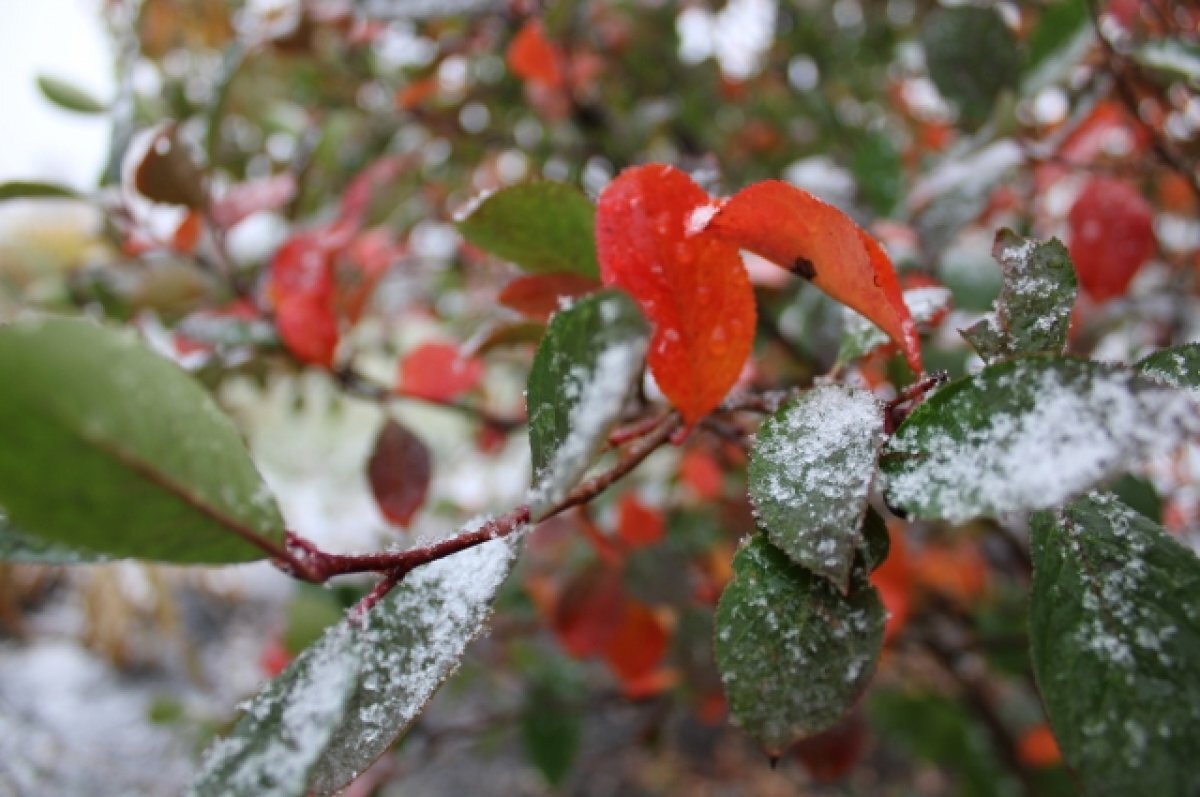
x,y
1028,434
1178,366
860,336
1033,312
18,547
543,227
589,360
107,447
794,652
343,702
1115,633
810,476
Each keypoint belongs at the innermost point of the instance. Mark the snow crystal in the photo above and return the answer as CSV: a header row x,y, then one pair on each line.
x,y
700,217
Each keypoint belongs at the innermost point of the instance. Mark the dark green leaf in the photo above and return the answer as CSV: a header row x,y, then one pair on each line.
x,y
1178,366
542,227
551,728
860,336
877,543
18,547
1033,312
69,96
344,701
1057,25
878,170
1138,493
31,189
972,57
794,652
107,447
1115,632
1028,434
810,475
581,376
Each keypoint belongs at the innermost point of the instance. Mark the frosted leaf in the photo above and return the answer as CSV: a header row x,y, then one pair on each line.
x,y
18,547
810,475
1033,312
860,336
1029,434
344,701
794,653
1178,366
583,372
1115,633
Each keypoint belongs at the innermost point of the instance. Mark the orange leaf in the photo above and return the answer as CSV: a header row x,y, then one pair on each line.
x,y
439,372
639,525
893,579
693,287
534,58
187,234
955,569
1038,748
638,644
539,296
699,470
589,612
811,238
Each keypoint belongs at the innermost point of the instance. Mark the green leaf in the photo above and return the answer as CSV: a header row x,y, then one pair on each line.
x,y
107,447
794,653
972,57
1028,434
810,476
32,189
69,96
860,336
1057,25
344,701
1178,366
877,543
1172,56
551,728
1115,632
878,172
581,376
543,227
1033,312
18,547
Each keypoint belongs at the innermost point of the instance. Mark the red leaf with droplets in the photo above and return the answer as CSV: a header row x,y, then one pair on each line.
x,y
308,328
439,372
589,612
534,58
539,296
692,287
1112,236
813,239
639,525
399,471
638,644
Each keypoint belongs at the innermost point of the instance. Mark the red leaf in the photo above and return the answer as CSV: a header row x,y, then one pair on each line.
x,y
534,58
356,200
365,262
399,471
699,470
246,199
830,755
187,234
1038,748
693,287
811,238
439,372
308,328
589,611
639,525
893,579
1112,236
638,645
539,296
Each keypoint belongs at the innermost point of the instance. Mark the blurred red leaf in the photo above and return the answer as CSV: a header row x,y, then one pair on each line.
x,y
893,579
363,264
438,372
639,525
535,59
830,755
356,199
699,470
1111,236
955,569
637,647
275,657
254,196
813,239
693,287
539,296
308,328
187,234
399,471
589,612
1038,748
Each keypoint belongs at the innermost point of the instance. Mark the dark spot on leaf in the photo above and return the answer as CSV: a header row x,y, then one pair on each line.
x,y
804,267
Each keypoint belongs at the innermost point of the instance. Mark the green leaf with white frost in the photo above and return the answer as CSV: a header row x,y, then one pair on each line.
x,y
810,476
1029,433
69,96
587,364
1115,642
1173,56
18,547
1033,312
107,447
1178,366
394,660
541,226
860,336
794,653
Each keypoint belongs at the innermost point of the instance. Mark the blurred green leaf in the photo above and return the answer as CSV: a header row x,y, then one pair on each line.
x,y
68,96
32,189
972,57
1178,366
